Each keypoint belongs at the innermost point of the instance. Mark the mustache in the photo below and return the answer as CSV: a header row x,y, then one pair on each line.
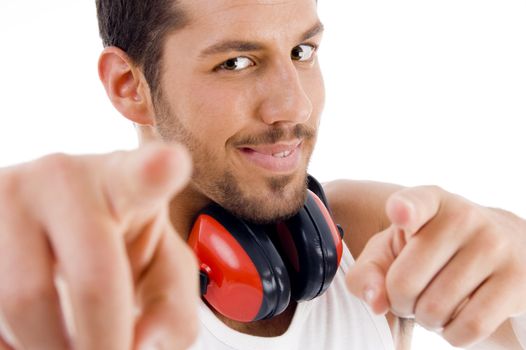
x,y
276,134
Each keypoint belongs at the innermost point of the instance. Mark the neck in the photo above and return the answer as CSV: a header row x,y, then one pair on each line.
x,y
272,327
184,208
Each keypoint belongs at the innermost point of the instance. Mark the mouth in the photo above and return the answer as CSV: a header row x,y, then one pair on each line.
x,y
279,158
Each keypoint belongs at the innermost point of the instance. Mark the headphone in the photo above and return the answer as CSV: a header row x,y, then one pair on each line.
x,y
250,272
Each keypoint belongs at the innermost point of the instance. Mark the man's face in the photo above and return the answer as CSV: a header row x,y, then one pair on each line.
x,y
242,89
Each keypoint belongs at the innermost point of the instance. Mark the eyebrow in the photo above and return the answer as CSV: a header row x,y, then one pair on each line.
x,y
246,46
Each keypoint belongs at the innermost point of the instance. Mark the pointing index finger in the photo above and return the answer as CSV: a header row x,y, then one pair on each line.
x,y
136,183
411,208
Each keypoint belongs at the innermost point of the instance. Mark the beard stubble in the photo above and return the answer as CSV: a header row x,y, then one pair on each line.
x,y
283,195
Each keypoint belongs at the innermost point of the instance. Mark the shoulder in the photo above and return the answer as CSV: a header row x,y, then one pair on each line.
x,y
359,207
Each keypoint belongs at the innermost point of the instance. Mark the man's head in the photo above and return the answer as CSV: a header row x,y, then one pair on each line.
x,y
237,82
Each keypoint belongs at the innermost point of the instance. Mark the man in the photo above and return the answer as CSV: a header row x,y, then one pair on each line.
x,y
239,85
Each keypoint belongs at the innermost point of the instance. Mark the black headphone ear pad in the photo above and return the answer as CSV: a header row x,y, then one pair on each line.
x,y
309,250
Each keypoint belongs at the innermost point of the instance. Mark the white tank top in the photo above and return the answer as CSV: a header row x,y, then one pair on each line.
x,y
334,321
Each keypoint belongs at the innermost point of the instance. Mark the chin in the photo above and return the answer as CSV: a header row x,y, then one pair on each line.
x,y
262,200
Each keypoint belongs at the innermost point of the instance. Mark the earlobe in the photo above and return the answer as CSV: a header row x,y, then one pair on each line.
x,y
126,86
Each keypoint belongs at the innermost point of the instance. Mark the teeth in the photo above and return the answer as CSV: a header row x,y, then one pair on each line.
x,y
282,154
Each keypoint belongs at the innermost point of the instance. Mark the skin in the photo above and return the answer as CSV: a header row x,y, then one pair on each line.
x,y
124,255
274,100
454,267
416,246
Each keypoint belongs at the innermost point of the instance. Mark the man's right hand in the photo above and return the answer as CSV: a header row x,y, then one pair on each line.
x,y
88,256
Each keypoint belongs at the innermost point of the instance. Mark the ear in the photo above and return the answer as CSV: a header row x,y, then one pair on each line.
x,y
126,86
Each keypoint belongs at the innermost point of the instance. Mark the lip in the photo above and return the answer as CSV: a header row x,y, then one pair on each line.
x,y
262,156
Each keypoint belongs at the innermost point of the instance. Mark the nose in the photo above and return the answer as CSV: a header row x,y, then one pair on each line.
x,y
285,99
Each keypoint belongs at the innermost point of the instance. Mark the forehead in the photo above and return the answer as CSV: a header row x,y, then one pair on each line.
x,y
216,6
267,19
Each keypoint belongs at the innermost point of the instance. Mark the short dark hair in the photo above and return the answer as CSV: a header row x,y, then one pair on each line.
x,y
139,27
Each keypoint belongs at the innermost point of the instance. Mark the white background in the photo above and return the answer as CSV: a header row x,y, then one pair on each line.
x,y
419,92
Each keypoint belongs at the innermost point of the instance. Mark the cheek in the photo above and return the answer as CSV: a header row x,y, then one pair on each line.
x,y
210,108
215,112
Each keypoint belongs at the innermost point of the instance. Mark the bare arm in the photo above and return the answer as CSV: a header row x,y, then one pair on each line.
x,y
361,207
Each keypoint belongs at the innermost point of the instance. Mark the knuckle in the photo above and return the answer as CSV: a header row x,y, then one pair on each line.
x,y
470,213
401,285
430,313
474,216
491,246
402,293
454,340
434,189
58,168
487,240
465,215
56,162
9,187
476,328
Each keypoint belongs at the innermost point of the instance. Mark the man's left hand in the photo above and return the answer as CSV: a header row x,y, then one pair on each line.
x,y
455,266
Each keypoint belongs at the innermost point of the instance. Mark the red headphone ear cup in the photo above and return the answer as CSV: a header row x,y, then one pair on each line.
x,y
248,280
311,246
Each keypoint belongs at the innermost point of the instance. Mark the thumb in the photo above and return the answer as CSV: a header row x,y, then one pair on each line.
x,y
366,279
137,183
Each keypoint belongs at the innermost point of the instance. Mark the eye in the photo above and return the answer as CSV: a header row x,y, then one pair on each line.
x,y
236,63
303,52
